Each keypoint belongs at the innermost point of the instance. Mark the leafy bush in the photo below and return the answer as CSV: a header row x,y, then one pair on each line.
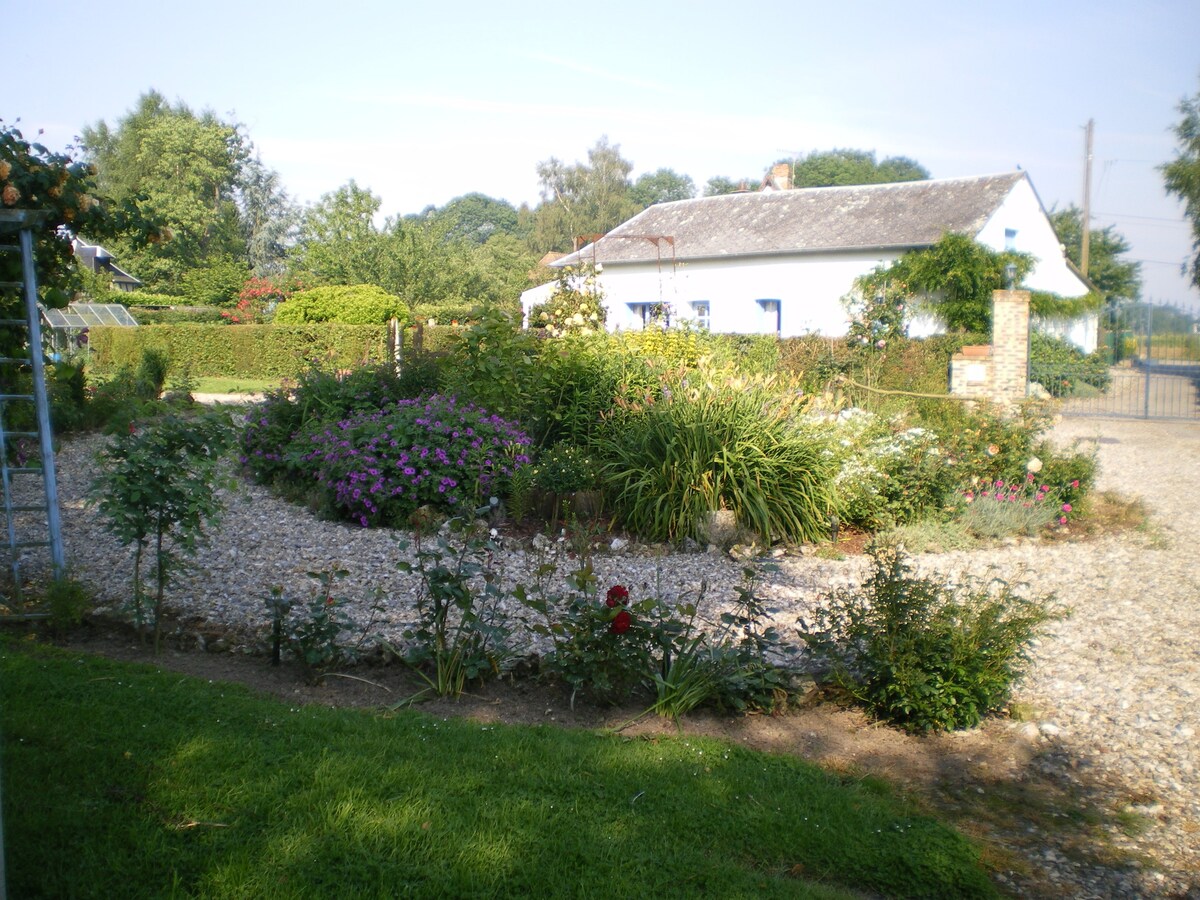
x,y
381,466
575,307
580,380
564,469
1060,367
890,477
358,304
925,655
723,444
216,283
495,365
134,299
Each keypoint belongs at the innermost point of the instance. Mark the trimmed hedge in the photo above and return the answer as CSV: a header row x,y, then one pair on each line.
x,y
202,315
248,351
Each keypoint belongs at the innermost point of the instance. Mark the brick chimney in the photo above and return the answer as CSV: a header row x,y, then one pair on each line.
x,y
781,176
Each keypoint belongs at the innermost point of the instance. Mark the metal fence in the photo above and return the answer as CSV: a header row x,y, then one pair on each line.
x,y
1154,373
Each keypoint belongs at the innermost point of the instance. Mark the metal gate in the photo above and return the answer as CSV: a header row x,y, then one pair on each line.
x,y
1154,371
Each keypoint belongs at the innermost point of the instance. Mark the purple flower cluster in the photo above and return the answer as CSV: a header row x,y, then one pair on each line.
x,y
383,465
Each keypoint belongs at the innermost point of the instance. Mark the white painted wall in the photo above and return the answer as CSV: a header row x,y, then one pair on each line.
x,y
810,286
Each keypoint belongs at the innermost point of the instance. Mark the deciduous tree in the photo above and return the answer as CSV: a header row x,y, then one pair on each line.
x,y
582,199
663,186
849,167
1113,277
1182,175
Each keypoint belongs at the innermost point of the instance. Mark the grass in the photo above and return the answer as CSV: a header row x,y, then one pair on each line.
x,y
214,385
120,780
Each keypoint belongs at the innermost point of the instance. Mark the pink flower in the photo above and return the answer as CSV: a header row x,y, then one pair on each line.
x,y
1062,520
1066,507
1075,483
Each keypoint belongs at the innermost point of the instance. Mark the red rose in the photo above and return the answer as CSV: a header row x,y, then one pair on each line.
x,y
617,595
622,621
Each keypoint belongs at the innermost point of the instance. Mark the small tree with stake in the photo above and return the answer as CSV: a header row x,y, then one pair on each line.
x,y
159,490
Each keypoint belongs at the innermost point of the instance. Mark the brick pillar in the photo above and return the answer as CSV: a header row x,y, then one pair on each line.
x,y
1010,346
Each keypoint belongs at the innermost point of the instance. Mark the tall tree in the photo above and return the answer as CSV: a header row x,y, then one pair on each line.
x,y
338,242
476,217
663,186
582,199
720,184
269,219
1182,175
849,167
181,167
1113,277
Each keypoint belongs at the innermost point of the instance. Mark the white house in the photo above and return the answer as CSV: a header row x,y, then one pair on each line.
x,y
780,261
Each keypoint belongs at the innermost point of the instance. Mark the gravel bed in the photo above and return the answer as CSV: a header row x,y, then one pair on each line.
x,y
1115,688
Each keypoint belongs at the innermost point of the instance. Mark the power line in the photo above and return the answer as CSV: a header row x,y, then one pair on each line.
x,y
1113,215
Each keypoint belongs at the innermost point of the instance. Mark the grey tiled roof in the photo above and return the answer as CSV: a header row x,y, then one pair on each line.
x,y
901,215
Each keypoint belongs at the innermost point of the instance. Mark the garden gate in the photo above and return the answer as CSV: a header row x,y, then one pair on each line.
x,y
1155,370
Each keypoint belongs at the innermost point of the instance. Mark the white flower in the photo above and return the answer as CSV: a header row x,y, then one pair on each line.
x,y
1034,465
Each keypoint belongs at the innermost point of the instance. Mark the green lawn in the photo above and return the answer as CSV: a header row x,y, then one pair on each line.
x,y
124,781
234,385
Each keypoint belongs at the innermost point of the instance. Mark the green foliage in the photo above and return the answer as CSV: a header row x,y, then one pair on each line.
x,y
1114,277
215,283
496,365
317,396
718,443
129,394
358,304
889,474
316,638
719,185
202,315
662,186
183,167
575,307
1181,176
460,633
157,490
850,167
476,217
565,468
925,655
69,601
581,200
134,299
1060,367
250,351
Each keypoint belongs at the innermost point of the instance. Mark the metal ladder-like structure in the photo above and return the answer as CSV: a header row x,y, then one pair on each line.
x,y
28,524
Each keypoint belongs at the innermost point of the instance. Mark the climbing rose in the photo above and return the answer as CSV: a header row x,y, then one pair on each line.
x,y
622,621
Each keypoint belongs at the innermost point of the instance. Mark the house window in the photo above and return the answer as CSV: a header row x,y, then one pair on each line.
x,y
701,313
1010,239
771,317
648,314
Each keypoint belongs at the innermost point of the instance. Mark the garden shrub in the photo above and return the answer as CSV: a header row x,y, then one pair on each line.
x,y
319,396
576,305
215,283
496,365
889,474
921,654
724,443
134,299
581,378
357,304
380,467
444,314
1061,367
747,354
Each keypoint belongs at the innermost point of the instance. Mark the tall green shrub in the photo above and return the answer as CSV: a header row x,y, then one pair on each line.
x,y
718,444
356,304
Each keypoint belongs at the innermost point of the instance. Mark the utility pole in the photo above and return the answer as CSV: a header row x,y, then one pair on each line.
x,y
1087,200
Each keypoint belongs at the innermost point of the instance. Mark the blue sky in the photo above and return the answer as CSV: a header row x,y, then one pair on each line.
x,y
421,102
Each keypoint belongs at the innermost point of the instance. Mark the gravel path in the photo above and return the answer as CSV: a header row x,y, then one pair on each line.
x,y
1116,687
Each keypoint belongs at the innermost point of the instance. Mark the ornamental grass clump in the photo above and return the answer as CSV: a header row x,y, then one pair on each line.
x,y
925,655
996,509
380,467
710,443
